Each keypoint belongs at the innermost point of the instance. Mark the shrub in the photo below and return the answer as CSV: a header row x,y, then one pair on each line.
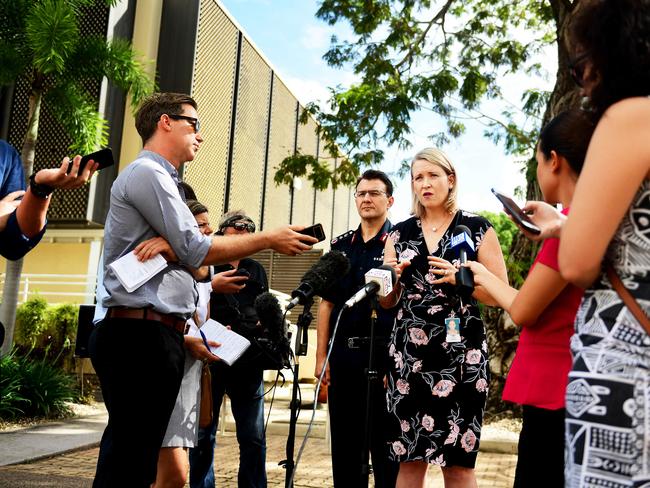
x,y
30,323
44,331
33,388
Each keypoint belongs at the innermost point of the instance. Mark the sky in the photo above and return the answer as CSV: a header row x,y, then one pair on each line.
x,y
293,40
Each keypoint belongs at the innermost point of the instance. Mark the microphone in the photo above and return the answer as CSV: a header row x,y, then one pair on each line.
x,y
378,280
320,277
461,240
270,316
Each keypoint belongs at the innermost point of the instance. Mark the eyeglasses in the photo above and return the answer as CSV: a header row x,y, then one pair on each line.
x,y
370,193
577,68
194,122
249,226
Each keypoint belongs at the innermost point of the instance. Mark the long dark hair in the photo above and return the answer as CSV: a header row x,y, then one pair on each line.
x,y
614,35
568,134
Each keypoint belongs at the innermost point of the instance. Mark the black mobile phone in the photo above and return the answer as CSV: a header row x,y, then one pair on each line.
x,y
104,157
242,272
517,213
314,231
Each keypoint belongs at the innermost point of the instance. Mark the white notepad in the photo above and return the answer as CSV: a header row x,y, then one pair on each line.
x,y
132,273
232,346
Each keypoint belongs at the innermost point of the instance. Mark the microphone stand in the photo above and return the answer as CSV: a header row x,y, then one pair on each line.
x,y
373,376
302,331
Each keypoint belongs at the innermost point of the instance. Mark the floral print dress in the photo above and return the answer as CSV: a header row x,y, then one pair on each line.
x,y
436,389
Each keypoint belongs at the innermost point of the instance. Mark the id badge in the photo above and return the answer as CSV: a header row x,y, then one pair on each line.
x,y
452,325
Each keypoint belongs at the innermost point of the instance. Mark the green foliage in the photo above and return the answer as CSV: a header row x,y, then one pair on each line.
x,y
33,388
504,227
47,332
41,41
446,57
30,323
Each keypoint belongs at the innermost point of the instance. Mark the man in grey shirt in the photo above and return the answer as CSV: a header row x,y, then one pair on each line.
x,y
137,351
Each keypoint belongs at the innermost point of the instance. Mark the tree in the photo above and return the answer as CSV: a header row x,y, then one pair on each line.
x,y
41,41
447,57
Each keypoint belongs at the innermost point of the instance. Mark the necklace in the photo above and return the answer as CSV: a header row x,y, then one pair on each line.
x,y
436,227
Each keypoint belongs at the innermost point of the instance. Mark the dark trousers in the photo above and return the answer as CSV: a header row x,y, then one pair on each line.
x,y
245,388
540,461
139,364
347,408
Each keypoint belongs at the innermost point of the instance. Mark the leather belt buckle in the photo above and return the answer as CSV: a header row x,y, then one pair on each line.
x,y
355,342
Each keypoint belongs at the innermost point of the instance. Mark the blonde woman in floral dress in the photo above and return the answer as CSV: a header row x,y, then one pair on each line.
x,y
437,387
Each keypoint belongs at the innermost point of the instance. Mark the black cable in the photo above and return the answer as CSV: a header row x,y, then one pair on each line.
x,y
318,384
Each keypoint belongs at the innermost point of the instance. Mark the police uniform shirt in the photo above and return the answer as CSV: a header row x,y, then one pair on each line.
x,y
363,256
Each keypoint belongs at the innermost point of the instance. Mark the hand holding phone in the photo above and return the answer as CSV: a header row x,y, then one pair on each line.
x,y
314,231
103,158
517,214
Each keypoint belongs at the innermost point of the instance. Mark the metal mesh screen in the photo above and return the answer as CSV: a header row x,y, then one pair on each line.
x,y
325,199
342,208
281,138
212,88
303,199
52,143
250,133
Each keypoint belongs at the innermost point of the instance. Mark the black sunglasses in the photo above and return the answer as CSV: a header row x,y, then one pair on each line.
x,y
577,68
249,226
196,124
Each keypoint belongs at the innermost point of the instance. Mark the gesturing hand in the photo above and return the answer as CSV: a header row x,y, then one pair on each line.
x,y
445,270
7,206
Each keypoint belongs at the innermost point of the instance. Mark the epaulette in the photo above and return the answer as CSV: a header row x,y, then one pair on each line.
x,y
341,237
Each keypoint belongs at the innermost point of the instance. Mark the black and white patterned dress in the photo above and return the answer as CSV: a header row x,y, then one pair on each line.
x,y
608,395
436,390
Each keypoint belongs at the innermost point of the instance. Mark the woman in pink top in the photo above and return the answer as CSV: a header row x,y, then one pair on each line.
x,y
545,308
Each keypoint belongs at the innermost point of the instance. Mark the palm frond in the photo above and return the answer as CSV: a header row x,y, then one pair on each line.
x,y
52,34
77,113
95,57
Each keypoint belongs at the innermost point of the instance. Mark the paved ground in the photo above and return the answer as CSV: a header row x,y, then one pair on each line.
x,y
41,456
76,469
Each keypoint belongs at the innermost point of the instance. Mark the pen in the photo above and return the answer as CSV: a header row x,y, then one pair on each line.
x,y
205,340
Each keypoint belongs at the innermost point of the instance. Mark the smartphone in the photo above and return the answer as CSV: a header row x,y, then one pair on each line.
x,y
517,214
314,231
104,157
242,272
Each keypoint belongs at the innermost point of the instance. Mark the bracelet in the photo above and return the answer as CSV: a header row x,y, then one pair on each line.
x,y
39,190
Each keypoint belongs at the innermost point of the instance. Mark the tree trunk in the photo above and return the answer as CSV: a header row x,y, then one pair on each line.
x,y
502,333
14,268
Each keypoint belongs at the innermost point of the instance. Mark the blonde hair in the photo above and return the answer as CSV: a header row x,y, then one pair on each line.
x,y
440,159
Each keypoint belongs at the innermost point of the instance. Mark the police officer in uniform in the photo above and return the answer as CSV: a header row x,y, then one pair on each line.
x,y
347,372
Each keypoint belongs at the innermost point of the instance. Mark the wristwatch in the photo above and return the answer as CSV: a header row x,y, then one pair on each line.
x,y
39,190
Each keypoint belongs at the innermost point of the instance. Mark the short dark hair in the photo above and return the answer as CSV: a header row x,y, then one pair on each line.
x,y
375,174
568,134
614,35
154,106
190,194
196,207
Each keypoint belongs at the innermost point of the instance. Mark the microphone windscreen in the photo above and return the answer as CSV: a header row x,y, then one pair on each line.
x,y
270,314
326,271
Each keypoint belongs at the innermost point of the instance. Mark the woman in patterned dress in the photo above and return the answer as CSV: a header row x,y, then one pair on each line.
x,y
608,395
437,387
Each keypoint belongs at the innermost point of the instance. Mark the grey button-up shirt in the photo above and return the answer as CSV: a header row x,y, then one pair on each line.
x,y
145,203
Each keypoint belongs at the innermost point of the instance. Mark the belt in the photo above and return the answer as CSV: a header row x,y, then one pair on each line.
x,y
359,342
170,321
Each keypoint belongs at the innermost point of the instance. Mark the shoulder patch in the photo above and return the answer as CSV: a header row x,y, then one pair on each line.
x,y
342,237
